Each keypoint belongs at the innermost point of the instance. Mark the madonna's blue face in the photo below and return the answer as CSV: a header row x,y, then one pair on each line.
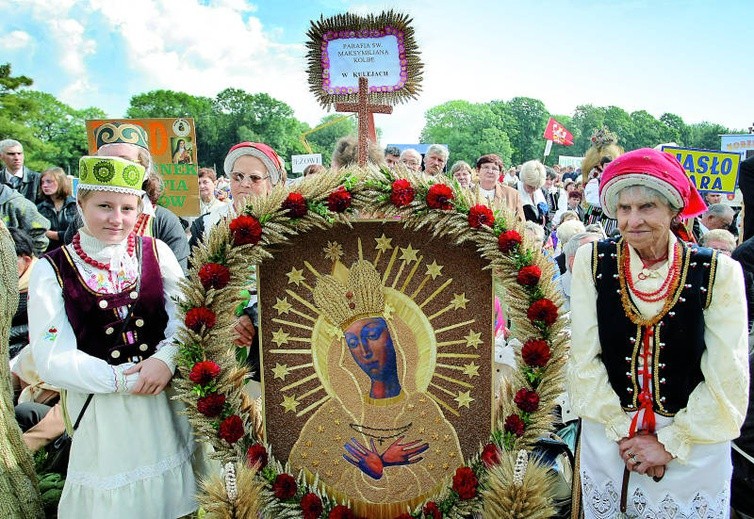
x,y
371,346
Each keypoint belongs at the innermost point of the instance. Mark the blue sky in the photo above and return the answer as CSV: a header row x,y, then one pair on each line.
x,y
688,57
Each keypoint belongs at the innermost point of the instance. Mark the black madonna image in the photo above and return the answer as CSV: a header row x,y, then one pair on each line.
x,y
376,352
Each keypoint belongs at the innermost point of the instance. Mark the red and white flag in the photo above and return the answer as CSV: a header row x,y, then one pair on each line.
x,y
557,133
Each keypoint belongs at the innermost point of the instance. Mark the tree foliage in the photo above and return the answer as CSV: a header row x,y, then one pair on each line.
x,y
529,118
53,133
60,127
322,138
13,112
469,129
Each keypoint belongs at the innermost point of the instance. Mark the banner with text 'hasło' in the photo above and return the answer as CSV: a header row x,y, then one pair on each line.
x,y
709,170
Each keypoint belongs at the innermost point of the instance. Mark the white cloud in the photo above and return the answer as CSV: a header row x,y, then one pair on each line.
x,y
71,44
200,49
15,40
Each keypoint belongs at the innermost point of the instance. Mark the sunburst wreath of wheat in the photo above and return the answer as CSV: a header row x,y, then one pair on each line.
x,y
500,480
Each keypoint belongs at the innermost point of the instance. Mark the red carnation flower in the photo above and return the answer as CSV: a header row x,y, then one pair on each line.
x,y
536,353
465,483
526,400
514,424
491,455
295,205
214,275
543,310
203,372
198,317
341,512
246,230
529,275
402,193
211,405
311,506
284,487
480,215
508,240
231,429
440,196
339,200
257,455
431,510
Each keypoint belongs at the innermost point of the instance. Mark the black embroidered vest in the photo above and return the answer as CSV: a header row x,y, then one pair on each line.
x,y
97,318
678,336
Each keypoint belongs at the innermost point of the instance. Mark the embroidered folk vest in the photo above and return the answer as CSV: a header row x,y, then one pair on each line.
x,y
97,318
678,336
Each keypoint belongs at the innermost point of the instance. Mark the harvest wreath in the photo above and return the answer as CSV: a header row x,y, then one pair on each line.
x,y
501,480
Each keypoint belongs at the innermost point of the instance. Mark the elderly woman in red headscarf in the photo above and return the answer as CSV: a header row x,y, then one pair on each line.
x,y
254,169
658,370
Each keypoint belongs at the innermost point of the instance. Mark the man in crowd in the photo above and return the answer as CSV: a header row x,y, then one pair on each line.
x,y
392,156
17,211
412,159
718,216
435,159
712,198
15,174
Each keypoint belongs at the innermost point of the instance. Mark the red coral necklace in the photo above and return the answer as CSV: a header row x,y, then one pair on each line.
x,y
93,262
661,293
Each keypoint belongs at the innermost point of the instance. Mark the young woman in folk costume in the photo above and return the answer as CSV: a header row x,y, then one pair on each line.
x,y
129,141
104,317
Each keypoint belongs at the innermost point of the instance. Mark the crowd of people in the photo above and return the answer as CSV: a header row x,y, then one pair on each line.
x,y
660,294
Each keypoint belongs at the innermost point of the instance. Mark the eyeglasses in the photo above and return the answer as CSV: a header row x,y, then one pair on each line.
x,y
241,178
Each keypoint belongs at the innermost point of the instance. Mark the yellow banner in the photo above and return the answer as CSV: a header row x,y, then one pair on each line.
x,y
708,170
172,143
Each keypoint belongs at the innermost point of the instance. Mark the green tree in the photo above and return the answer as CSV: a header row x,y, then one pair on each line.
x,y
261,118
706,135
530,120
620,123
470,131
60,127
330,128
13,113
647,131
586,119
673,129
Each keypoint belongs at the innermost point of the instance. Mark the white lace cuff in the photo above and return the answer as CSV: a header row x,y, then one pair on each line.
x,y
676,444
617,428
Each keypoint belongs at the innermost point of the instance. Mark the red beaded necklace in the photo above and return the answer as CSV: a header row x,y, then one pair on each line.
x,y
93,262
662,292
141,224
